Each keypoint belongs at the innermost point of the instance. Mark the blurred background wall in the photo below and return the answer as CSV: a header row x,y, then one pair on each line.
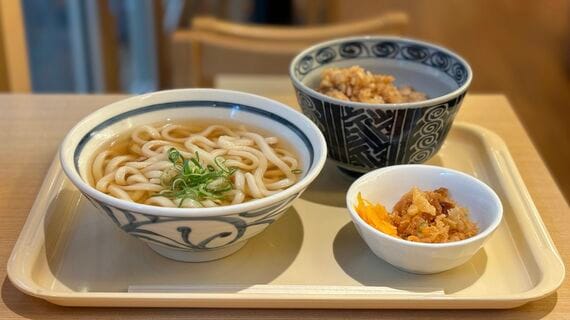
x,y
517,47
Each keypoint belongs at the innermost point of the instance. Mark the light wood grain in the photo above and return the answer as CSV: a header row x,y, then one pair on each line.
x,y
109,47
14,58
33,126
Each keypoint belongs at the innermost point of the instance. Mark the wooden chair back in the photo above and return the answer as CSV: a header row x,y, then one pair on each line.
x,y
270,41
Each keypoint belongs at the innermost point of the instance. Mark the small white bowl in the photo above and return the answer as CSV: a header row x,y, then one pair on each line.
x,y
387,185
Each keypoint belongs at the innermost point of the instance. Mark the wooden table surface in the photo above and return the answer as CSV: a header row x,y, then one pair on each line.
x,y
33,126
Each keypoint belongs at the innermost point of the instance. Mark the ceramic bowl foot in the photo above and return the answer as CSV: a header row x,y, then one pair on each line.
x,y
196,256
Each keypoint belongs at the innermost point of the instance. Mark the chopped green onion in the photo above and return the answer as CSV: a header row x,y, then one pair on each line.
x,y
296,171
190,179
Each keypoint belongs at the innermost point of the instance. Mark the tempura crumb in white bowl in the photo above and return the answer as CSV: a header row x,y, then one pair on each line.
x,y
387,185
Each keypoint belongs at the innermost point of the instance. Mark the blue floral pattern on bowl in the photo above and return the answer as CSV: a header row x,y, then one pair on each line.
x,y
178,232
384,49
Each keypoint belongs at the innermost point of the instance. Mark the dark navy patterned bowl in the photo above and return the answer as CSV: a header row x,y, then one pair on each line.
x,y
362,137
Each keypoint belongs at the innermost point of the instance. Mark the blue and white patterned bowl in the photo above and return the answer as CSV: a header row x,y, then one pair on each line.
x,y
362,137
196,234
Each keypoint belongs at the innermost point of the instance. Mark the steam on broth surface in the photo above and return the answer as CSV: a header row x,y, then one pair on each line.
x,y
192,166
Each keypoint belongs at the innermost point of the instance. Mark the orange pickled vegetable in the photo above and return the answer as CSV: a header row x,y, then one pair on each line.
x,y
376,216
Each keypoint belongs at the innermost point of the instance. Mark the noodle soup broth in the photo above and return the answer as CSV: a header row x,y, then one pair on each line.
x,y
194,164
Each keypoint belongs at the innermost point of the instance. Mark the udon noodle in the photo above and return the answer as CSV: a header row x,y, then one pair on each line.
x,y
176,165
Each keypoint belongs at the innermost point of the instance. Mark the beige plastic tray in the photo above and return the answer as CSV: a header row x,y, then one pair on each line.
x,y
312,258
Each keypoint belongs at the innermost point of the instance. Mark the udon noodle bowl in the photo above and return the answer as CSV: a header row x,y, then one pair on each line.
x,y
193,166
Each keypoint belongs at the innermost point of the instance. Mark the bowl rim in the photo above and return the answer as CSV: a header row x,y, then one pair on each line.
x,y
320,153
390,106
353,189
